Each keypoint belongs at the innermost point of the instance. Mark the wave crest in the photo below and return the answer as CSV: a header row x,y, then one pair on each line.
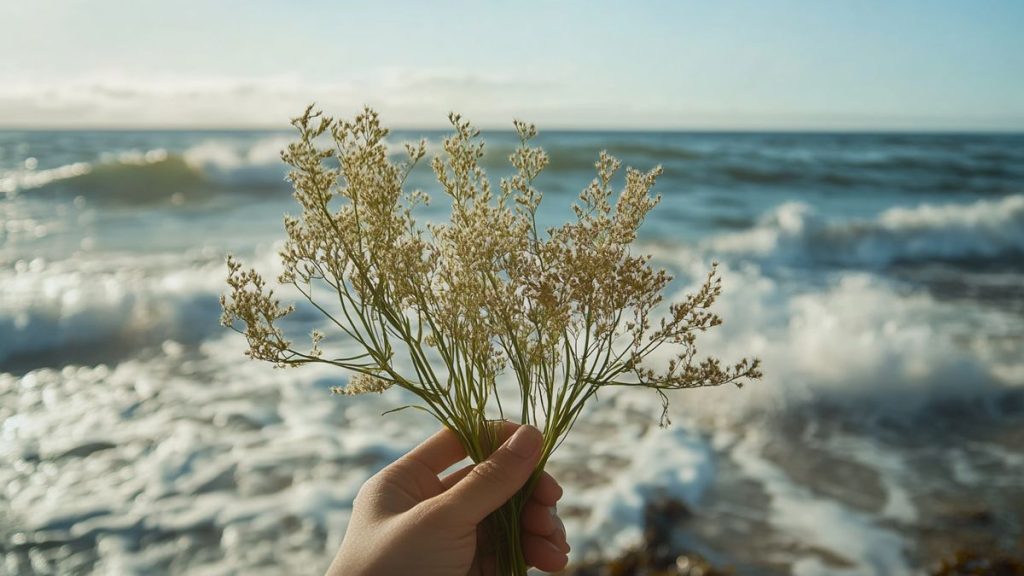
x,y
987,230
157,175
51,311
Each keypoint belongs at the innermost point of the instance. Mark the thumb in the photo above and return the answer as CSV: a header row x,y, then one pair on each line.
x,y
494,481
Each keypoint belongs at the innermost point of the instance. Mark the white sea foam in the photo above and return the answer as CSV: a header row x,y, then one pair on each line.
x,y
859,340
194,445
254,163
114,301
224,162
186,446
28,177
865,546
661,463
49,306
14,181
134,157
150,447
894,474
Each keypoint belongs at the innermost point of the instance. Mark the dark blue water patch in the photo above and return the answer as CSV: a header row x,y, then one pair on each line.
x,y
996,282
712,183
817,164
911,163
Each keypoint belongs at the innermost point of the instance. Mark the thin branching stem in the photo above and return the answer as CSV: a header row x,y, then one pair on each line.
x,y
481,293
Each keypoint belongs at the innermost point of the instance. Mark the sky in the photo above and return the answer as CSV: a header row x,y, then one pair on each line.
x,y
917,65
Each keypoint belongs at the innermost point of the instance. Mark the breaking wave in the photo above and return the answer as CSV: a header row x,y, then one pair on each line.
x,y
860,342
54,313
156,175
980,233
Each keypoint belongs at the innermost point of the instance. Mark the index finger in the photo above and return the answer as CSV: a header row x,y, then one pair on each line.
x,y
547,491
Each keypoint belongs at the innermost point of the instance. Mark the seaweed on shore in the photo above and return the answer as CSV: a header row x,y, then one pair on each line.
x,y
658,555
971,563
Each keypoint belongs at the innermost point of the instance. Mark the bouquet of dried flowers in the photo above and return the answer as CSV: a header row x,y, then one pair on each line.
x,y
443,310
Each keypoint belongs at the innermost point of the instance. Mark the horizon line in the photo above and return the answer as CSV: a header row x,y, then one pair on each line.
x,y
1014,131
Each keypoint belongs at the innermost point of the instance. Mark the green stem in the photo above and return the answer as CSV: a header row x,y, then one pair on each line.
x,y
503,529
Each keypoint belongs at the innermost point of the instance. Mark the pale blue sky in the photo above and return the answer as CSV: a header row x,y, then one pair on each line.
x,y
788,64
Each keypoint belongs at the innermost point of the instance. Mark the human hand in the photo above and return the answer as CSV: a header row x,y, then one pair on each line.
x,y
407,520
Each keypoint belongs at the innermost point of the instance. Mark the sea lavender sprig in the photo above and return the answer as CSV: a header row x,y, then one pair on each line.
x,y
443,310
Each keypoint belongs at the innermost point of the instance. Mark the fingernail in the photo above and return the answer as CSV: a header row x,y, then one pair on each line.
x,y
525,442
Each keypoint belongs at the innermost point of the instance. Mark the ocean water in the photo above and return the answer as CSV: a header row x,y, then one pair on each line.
x,y
879,277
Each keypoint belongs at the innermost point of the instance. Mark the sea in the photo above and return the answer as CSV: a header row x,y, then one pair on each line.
x,y
879,277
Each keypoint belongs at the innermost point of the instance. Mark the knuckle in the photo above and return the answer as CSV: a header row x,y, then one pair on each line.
x,y
487,472
435,511
374,490
368,494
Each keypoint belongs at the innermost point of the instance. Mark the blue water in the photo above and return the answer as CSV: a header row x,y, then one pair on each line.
x,y
879,276
713,182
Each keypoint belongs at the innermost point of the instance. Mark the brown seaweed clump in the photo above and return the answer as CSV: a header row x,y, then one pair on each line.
x,y
971,563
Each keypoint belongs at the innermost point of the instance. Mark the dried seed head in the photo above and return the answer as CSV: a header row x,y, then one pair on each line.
x,y
568,311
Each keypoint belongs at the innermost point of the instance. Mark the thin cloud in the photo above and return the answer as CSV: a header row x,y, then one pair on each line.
x,y
415,98
409,97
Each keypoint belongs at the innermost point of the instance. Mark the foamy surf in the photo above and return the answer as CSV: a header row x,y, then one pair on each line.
x,y
971,233
136,176
135,437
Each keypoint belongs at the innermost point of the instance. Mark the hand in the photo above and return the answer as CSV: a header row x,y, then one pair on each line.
x,y
407,520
